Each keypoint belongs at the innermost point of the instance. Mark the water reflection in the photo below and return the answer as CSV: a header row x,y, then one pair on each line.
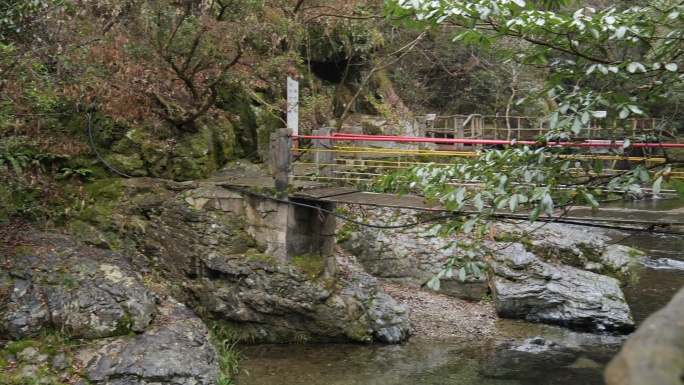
x,y
428,362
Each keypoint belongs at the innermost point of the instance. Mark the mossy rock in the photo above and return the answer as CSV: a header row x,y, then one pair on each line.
x,y
233,99
267,123
200,154
370,129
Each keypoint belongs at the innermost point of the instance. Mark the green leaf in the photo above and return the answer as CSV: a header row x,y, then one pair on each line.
x,y
624,113
547,202
462,274
635,109
434,283
460,195
598,166
656,185
590,198
535,213
585,117
468,226
478,202
633,67
513,203
527,176
476,270
576,126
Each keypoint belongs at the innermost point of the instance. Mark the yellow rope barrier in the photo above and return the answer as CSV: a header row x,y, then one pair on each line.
x,y
348,158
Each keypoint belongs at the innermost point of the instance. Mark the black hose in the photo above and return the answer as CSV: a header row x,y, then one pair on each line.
x,y
92,144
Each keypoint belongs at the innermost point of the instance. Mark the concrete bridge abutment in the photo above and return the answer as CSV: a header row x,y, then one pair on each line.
x,y
283,228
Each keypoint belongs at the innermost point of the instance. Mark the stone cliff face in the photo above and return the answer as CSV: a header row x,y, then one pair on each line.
x,y
187,241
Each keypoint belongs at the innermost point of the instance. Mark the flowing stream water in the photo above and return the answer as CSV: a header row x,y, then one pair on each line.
x,y
564,357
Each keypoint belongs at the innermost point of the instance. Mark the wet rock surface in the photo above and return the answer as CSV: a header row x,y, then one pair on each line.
x,y
525,287
175,349
575,246
551,273
654,354
301,302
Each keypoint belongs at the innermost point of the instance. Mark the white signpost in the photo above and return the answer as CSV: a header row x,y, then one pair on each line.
x,y
293,105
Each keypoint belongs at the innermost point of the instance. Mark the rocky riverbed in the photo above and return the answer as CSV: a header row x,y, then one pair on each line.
x,y
128,290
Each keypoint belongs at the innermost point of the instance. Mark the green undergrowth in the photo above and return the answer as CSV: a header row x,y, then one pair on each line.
x,y
34,361
226,335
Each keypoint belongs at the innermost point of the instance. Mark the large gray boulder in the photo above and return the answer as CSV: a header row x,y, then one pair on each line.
x,y
576,246
176,349
654,354
299,302
61,291
524,286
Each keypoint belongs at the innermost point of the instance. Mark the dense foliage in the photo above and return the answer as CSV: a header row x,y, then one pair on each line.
x,y
623,61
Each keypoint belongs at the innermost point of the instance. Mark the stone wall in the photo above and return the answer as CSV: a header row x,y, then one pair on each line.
x,y
282,229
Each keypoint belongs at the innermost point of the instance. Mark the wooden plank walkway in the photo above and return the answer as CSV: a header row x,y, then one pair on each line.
x,y
353,196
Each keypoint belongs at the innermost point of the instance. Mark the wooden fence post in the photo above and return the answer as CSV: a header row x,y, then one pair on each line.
x,y
323,155
459,132
283,159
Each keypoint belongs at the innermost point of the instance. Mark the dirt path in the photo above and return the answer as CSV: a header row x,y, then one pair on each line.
x,y
435,315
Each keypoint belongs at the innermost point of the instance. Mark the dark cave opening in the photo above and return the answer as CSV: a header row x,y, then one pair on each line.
x,y
331,71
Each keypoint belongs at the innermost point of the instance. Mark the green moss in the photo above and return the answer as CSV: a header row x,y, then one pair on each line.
x,y
124,327
346,232
99,190
199,154
590,252
310,265
233,99
21,250
253,255
267,123
16,347
370,129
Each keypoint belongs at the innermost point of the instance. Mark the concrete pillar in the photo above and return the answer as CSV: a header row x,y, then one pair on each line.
x,y
312,231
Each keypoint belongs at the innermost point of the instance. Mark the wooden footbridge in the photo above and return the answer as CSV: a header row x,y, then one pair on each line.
x,y
355,159
336,167
296,214
291,210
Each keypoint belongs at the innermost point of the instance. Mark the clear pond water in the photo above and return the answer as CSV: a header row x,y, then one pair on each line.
x,y
569,358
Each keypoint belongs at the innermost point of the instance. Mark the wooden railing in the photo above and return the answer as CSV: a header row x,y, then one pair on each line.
x,y
476,126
